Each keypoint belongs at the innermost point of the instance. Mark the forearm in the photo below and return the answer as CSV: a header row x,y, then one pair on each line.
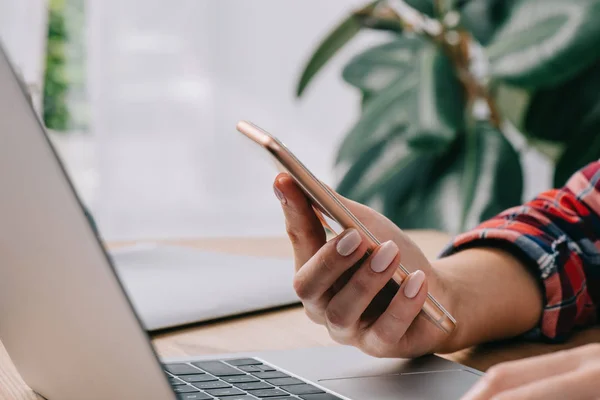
x,y
491,294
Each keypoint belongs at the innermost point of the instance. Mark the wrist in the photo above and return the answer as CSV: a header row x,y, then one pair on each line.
x,y
491,295
447,293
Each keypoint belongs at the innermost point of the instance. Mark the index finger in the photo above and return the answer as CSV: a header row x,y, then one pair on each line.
x,y
302,224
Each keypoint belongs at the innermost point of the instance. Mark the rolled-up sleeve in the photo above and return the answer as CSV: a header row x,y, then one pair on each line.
x,y
557,235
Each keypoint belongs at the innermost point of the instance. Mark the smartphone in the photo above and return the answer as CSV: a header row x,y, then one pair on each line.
x,y
326,202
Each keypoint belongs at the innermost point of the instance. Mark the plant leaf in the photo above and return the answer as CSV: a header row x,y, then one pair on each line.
x,y
554,114
544,43
438,109
380,169
476,179
380,66
426,98
482,18
425,6
380,117
341,35
513,103
583,148
330,45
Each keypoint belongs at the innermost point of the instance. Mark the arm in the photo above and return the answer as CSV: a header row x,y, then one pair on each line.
x,y
556,238
494,296
500,280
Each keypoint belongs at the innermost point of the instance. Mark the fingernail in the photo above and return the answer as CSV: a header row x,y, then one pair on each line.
x,y
350,242
279,195
384,256
414,283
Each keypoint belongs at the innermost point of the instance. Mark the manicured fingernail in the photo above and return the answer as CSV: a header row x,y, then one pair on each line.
x,y
414,283
279,195
384,256
350,242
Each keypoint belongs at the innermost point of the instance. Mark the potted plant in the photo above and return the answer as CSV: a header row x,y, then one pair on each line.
x,y
449,100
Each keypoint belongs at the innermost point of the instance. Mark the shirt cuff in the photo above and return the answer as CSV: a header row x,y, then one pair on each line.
x,y
513,233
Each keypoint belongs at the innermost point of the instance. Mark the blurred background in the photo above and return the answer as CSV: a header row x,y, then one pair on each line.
x,y
141,100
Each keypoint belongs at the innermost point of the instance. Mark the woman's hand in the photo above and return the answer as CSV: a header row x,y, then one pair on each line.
x,y
572,374
347,300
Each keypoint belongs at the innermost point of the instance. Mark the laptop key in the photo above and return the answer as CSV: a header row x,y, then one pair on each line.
x,y
198,378
217,368
194,396
268,393
243,397
285,381
185,389
250,368
320,396
243,361
252,385
239,379
266,368
181,369
270,375
224,392
211,385
175,382
303,389
288,397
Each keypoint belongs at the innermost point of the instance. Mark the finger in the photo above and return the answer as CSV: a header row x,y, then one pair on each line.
x,y
330,262
578,384
517,373
302,225
347,306
391,326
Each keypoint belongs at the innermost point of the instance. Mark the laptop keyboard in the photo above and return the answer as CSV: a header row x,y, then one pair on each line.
x,y
239,379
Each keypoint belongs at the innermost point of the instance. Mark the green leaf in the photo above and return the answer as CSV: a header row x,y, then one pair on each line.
x,y
382,115
438,107
513,103
379,169
544,43
582,149
380,66
426,98
332,43
475,180
555,113
425,6
482,18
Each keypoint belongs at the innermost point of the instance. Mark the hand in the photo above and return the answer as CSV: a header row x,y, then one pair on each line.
x,y
343,291
572,374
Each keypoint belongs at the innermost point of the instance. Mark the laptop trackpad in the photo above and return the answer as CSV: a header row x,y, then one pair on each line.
x,y
444,385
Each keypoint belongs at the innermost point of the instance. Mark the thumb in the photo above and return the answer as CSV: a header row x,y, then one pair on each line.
x,y
360,211
302,224
378,224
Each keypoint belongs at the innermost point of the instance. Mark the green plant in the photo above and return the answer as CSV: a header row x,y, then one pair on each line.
x,y
64,100
433,147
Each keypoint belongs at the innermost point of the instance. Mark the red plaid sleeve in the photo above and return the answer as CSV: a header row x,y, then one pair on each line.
x,y
557,234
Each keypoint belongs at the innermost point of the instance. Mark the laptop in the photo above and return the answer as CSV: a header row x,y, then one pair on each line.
x,y
71,330
171,285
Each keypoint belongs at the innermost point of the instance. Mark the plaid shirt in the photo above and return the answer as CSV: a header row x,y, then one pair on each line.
x,y
557,235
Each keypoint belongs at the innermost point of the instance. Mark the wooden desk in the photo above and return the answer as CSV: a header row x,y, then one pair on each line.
x,y
285,328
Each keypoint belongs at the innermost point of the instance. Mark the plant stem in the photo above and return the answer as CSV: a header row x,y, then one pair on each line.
x,y
457,43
